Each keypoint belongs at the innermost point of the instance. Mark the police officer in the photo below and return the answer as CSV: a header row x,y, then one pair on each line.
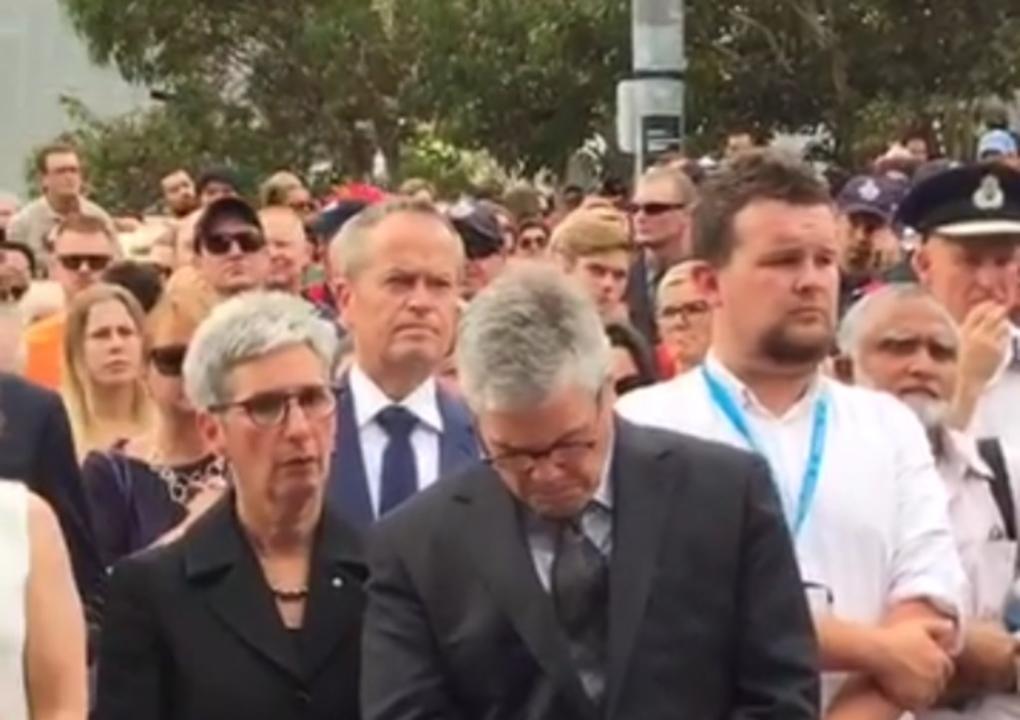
x,y
969,222
901,340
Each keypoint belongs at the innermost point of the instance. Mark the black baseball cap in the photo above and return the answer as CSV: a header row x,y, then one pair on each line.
x,y
228,207
968,201
478,228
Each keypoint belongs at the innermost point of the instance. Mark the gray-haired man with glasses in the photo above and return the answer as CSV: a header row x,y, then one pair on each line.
x,y
589,569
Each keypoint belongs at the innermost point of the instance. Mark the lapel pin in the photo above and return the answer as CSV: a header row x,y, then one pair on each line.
x,y
338,582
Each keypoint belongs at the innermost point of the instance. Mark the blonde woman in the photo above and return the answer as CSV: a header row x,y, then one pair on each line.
x,y
104,351
148,485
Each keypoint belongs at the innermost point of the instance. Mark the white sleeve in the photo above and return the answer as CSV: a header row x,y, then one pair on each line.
x,y
925,562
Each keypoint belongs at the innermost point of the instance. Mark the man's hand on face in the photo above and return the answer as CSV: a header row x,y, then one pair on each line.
x,y
984,341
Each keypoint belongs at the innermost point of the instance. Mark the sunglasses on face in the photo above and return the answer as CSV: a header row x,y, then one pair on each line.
x,y
654,208
79,263
168,360
532,242
13,294
248,241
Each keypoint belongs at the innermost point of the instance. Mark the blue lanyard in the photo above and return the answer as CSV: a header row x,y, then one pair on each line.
x,y
809,485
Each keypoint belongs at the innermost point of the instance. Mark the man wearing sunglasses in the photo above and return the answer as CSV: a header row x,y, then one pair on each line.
x,y
80,249
660,212
230,248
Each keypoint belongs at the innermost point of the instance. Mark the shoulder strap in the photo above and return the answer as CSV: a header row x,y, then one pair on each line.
x,y
991,452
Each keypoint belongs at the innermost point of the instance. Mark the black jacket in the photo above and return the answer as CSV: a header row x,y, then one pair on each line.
x,y
192,631
36,448
707,615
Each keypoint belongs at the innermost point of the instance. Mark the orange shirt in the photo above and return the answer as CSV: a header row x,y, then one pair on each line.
x,y
44,341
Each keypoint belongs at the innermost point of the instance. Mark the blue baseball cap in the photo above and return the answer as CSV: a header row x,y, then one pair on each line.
x,y
875,195
996,143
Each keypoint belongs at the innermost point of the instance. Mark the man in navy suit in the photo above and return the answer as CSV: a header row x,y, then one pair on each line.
x,y
397,272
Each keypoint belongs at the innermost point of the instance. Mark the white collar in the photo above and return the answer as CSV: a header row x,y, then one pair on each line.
x,y
961,454
750,400
370,400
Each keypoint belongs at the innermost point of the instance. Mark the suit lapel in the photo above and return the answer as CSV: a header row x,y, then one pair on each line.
x,y
457,444
494,538
347,491
641,498
222,567
336,597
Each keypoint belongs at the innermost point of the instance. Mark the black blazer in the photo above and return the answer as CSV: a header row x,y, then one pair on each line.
x,y
36,448
707,616
640,307
192,631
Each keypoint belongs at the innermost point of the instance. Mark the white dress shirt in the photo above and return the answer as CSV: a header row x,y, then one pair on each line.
x,y
989,557
369,401
998,410
878,530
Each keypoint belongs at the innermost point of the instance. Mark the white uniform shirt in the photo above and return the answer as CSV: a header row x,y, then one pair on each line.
x,y
998,410
878,530
369,401
989,557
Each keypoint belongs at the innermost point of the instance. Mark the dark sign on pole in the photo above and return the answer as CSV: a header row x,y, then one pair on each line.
x,y
660,134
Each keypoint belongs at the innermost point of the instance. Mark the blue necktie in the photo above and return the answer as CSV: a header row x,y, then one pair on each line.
x,y
399,478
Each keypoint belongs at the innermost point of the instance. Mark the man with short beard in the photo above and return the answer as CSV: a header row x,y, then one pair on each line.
x,y
852,467
902,341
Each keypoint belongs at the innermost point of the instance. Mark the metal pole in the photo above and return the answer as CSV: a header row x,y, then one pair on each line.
x,y
659,60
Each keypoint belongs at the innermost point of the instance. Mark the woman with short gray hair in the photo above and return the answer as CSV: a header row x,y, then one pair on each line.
x,y
263,593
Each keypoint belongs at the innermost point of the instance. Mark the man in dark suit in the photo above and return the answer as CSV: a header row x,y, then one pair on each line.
x,y
398,268
661,211
591,569
36,448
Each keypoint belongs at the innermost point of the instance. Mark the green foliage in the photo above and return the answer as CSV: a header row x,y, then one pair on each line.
x,y
263,84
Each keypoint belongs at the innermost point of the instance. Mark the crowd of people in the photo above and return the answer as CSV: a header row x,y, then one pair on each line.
x,y
743,441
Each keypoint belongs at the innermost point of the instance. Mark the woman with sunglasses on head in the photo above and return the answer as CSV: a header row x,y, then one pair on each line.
x,y
255,612
148,485
103,362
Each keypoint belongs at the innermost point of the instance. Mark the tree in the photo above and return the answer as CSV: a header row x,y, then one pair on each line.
x,y
322,83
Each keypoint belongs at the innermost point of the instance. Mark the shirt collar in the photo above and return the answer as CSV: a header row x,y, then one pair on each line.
x,y
749,400
604,494
961,454
370,400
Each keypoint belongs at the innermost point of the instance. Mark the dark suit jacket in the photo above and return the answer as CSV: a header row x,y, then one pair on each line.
x,y
707,616
36,448
640,307
192,631
347,491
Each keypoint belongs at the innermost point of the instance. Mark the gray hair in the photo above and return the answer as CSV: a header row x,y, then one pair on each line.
x,y
861,317
527,334
247,327
349,250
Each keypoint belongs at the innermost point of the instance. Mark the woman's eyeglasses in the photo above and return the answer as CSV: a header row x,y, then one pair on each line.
x,y
270,409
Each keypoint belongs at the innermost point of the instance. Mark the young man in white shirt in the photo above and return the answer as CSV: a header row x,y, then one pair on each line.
x,y
863,500
901,340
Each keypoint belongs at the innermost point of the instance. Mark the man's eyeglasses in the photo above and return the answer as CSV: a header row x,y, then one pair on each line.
x,y
248,241
685,311
654,208
82,262
562,454
270,409
13,294
168,360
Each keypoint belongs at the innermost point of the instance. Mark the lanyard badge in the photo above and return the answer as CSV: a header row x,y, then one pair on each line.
x,y
795,516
